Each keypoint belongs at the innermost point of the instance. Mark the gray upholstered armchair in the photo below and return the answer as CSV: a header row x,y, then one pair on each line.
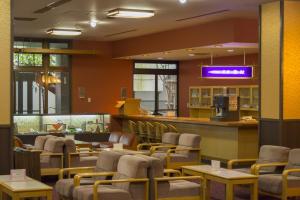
x,y
169,139
107,162
187,152
129,182
267,154
282,185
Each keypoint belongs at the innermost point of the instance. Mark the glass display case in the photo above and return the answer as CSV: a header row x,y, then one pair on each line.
x,y
69,124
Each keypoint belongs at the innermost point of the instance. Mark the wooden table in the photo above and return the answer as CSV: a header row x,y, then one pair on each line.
x,y
24,189
225,176
82,145
126,151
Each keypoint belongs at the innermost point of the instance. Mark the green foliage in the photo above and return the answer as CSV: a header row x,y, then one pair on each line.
x,y
23,60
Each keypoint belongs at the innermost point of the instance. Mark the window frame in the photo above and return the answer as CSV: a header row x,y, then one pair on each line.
x,y
157,72
45,68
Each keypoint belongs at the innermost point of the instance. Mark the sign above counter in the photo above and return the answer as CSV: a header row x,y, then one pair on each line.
x,y
227,72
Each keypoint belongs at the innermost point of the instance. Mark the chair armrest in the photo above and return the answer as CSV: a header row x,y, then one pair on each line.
x,y
172,171
130,180
52,154
232,162
155,148
182,149
74,170
256,167
140,146
84,153
285,177
78,177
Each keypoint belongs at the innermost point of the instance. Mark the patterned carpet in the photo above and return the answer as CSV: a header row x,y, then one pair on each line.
x,y
218,193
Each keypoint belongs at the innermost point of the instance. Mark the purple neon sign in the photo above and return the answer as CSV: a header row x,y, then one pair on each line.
x,y
227,72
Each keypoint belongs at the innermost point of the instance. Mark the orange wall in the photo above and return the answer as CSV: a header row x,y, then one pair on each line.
x,y
189,73
101,76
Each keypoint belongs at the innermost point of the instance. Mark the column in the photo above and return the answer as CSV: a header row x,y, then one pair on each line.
x,y
5,87
280,73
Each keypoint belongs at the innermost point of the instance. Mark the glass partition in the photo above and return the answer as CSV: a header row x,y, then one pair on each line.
x,y
69,124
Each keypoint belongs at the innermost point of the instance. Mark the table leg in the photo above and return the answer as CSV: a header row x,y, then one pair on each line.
x,y
254,190
206,192
49,195
229,191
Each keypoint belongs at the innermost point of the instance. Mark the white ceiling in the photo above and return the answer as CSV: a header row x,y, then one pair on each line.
x,y
77,13
219,50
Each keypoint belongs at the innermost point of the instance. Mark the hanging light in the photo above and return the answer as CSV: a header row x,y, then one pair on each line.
x,y
50,79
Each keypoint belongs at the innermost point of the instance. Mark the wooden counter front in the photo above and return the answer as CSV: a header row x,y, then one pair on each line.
x,y
220,140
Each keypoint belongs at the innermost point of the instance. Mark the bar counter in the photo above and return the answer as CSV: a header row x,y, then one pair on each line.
x,y
220,140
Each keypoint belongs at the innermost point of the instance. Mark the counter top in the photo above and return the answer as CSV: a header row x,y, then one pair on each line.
x,y
189,120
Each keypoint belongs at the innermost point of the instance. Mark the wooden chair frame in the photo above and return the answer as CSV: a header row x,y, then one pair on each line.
x,y
286,191
52,171
178,165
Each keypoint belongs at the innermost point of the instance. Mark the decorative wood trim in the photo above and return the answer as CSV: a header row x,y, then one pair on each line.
x,y
56,51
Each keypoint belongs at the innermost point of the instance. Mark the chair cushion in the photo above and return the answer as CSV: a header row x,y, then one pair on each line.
x,y
50,161
127,139
294,161
106,192
272,183
85,161
64,187
170,138
189,140
160,155
108,161
180,188
114,137
39,142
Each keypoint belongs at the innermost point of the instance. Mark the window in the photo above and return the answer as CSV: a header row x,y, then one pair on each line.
x,y
155,83
42,83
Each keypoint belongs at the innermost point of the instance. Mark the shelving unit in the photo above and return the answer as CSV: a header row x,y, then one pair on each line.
x,y
201,99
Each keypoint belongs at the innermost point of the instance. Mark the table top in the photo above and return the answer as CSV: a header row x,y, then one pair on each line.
x,y
124,151
27,185
81,142
221,172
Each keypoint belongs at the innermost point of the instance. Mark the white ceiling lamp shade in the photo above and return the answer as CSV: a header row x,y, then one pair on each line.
x,y
182,1
130,13
93,23
64,32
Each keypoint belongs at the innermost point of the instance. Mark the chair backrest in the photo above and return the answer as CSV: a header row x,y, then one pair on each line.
x,y
150,129
114,137
141,127
170,138
132,127
172,128
39,142
155,170
132,167
127,139
54,145
70,147
188,140
294,161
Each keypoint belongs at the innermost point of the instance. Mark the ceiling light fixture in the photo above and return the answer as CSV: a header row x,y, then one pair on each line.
x,y
130,13
160,58
230,50
93,23
182,1
191,54
64,32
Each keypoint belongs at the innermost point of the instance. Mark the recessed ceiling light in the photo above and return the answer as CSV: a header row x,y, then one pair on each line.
x,y
64,32
93,23
230,50
218,46
182,1
190,49
160,58
191,54
166,52
130,13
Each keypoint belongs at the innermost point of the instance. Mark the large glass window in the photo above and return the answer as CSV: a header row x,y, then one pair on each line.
x,y
156,85
42,83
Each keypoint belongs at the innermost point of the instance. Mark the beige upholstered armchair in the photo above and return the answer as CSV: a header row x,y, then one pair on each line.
x,y
129,182
51,157
187,152
39,142
175,188
267,154
282,185
74,158
107,162
169,140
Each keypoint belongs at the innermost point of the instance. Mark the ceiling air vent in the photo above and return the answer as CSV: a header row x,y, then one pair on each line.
x,y
202,15
120,33
25,19
50,6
